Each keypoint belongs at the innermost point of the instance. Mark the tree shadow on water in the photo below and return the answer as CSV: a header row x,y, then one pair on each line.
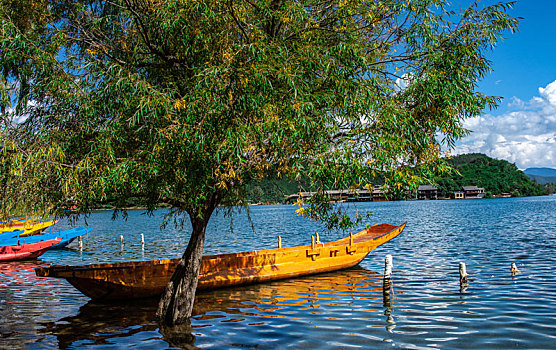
x,y
133,322
180,336
99,323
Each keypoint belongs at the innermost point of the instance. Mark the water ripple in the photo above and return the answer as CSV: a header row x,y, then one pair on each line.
x,y
425,310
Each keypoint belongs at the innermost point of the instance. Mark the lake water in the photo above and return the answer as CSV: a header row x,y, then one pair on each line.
x,y
341,310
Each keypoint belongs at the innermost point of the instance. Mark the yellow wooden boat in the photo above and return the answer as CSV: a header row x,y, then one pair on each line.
x,y
139,279
16,220
28,228
19,222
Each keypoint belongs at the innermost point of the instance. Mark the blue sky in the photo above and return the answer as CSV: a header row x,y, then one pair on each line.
x,y
523,129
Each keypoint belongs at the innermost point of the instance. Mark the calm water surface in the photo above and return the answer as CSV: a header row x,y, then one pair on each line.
x,y
340,310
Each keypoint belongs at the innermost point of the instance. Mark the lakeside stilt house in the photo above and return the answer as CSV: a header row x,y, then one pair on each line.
x,y
473,192
427,192
424,192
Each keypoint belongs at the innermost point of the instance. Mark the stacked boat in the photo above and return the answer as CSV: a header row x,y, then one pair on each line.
x,y
22,239
28,226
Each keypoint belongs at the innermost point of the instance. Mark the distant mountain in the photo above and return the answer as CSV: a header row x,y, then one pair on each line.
x,y
542,176
541,172
542,180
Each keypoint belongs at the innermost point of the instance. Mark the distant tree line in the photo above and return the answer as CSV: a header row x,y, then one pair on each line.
x,y
494,175
550,187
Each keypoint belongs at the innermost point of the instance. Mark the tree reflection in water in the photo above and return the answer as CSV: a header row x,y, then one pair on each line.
x,y
105,323
98,323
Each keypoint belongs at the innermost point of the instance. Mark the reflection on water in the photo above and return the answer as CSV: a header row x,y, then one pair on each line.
x,y
313,292
422,308
259,305
90,326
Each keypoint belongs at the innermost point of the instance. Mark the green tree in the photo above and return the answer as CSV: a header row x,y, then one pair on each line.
x,y
186,102
494,175
550,187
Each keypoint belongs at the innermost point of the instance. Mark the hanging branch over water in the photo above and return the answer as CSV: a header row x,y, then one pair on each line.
x,y
188,102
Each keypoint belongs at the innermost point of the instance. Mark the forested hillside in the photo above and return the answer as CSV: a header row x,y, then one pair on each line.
x,y
275,190
496,176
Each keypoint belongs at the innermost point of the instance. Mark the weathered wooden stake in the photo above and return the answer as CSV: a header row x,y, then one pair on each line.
x,y
122,239
462,274
388,266
387,281
142,240
279,242
515,270
80,243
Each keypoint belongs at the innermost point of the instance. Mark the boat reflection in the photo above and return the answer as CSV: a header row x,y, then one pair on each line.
x,y
14,283
17,278
95,322
18,281
311,291
22,301
10,269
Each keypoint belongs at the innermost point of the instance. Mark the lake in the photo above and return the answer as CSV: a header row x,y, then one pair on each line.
x,y
340,310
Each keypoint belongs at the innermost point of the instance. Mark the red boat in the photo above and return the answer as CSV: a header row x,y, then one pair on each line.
x,y
26,251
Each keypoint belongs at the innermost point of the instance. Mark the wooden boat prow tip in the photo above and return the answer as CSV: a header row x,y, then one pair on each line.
x,y
139,279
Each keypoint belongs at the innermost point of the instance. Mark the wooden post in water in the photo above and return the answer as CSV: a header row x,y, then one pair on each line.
x,y
388,266
80,243
462,277
122,239
387,281
142,240
515,270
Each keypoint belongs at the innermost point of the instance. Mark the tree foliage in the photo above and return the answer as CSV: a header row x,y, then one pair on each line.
x,y
495,176
186,102
550,187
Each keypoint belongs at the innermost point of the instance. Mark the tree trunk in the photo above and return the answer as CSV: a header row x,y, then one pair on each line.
x,y
176,305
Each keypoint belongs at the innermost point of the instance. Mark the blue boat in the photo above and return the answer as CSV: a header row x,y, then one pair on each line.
x,y
67,237
10,234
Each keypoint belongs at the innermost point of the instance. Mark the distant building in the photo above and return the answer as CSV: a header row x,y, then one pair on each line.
x,y
359,195
473,192
378,194
427,192
459,195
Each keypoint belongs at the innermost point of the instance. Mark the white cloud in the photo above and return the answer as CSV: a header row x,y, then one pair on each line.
x,y
525,136
549,92
12,117
403,82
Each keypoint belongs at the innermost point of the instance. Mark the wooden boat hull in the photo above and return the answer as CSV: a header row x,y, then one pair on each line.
x,y
69,236
15,223
29,229
10,234
26,251
140,279
66,236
